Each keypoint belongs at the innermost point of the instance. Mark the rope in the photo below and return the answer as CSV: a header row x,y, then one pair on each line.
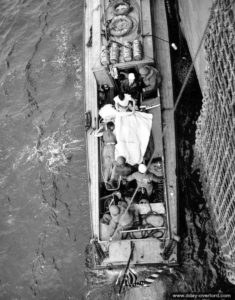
x,y
127,267
173,45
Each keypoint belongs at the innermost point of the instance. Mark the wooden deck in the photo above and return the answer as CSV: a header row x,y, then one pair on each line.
x,y
92,16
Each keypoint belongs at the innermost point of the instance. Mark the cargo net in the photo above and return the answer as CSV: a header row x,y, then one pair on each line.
x,y
215,135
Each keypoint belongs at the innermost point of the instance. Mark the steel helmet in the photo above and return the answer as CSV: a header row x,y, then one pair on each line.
x,y
144,71
131,76
142,168
114,210
120,160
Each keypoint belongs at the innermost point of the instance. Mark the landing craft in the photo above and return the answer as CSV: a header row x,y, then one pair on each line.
x,y
133,228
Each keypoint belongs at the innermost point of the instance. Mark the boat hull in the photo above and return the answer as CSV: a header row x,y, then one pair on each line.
x,y
147,251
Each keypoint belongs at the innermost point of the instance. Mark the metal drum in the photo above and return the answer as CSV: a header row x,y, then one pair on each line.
x,y
114,53
121,57
137,50
127,51
104,56
154,220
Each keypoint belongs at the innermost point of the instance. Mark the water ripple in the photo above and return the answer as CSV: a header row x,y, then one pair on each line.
x,y
55,150
43,201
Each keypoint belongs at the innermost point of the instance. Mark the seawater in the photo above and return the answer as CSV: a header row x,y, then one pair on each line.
x,y
44,214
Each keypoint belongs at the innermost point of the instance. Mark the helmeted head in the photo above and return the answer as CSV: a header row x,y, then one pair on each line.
x,y
142,168
121,95
106,219
131,77
105,87
144,71
230,276
118,194
143,201
110,125
157,162
114,210
121,160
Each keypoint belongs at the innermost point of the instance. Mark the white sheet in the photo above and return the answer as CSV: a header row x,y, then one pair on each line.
x,y
132,133
107,112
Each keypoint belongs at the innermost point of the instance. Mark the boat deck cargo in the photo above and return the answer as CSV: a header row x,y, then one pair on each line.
x,y
130,134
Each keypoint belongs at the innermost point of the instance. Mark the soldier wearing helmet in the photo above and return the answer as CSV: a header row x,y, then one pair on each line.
x,y
131,86
144,179
151,79
121,168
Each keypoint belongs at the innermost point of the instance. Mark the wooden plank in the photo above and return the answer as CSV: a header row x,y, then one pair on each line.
x,y
170,156
146,251
91,141
162,55
96,45
147,29
162,52
134,63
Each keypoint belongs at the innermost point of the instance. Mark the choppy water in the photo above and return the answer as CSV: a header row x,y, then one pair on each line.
x,y
44,214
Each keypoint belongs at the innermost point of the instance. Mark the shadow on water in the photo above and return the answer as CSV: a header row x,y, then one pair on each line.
x,y
44,215
202,263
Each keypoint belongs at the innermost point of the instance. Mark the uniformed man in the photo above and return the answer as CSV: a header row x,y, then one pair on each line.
x,y
151,79
130,86
121,168
110,141
144,179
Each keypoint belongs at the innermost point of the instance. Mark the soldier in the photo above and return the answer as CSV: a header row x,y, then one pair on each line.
x,y
131,86
121,168
151,79
144,179
110,141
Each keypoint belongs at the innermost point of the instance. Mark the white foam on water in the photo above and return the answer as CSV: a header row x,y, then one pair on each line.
x,y
62,42
3,179
68,59
20,157
55,151
11,220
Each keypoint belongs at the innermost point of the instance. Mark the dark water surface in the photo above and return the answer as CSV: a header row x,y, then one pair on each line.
x,y
44,216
